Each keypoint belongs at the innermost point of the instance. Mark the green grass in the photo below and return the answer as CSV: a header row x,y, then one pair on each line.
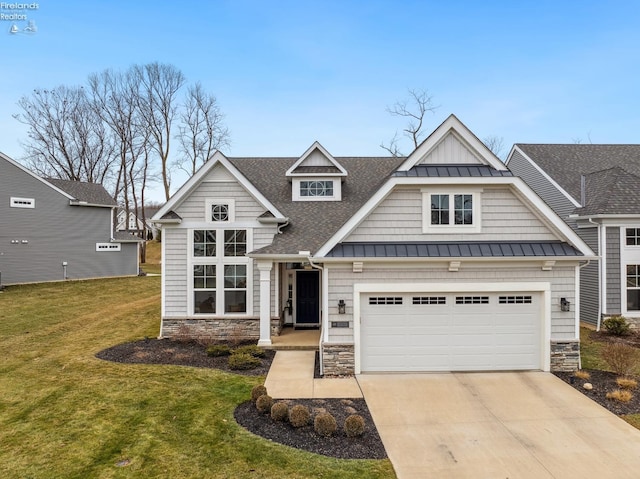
x,y
64,413
153,258
591,359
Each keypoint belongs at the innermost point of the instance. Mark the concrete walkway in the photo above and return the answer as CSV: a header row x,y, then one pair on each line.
x,y
497,425
291,377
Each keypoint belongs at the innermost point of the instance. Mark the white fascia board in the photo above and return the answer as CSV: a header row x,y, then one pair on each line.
x,y
31,173
446,259
329,156
453,287
196,179
471,140
545,174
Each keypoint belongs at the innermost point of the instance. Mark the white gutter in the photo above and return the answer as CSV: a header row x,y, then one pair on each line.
x,y
324,310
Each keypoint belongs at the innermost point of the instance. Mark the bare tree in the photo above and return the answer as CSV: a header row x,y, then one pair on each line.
x,y
495,144
201,130
67,139
413,109
159,85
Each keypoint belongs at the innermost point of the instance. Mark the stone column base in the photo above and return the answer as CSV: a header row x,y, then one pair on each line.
x,y
338,359
565,355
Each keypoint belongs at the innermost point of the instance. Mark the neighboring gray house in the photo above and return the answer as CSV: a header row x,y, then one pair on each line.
x,y
595,189
441,261
52,230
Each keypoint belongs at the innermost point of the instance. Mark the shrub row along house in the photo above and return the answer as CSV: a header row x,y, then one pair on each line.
x,y
51,230
594,188
440,261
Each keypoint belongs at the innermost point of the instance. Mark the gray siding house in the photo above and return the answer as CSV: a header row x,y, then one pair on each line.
x,y
440,261
51,230
594,189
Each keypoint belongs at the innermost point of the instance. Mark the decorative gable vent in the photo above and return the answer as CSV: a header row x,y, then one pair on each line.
x,y
316,176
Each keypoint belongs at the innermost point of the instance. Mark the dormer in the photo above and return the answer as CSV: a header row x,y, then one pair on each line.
x,y
316,176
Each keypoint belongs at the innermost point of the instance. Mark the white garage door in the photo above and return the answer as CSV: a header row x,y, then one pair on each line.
x,y
450,331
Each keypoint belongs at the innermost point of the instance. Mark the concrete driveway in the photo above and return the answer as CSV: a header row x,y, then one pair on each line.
x,y
497,425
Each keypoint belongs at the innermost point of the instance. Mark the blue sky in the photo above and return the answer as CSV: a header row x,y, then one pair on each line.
x,y
289,73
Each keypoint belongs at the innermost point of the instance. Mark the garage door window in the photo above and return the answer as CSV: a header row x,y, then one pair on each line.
x,y
385,300
514,299
472,299
429,300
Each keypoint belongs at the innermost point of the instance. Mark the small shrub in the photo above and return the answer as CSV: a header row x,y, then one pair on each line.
x,y
236,336
279,411
354,425
243,362
616,325
621,395
299,415
252,349
217,350
264,403
257,391
621,358
627,383
325,424
581,374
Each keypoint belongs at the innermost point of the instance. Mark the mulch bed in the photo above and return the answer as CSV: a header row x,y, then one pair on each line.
x,y
605,381
191,353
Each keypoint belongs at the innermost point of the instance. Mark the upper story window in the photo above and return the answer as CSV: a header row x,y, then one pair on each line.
x,y
633,236
220,210
22,202
316,188
451,212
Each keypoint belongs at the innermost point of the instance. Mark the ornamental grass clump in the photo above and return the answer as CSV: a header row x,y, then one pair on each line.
x,y
627,383
217,350
622,395
257,391
279,411
243,361
325,424
581,374
264,403
299,415
354,426
252,350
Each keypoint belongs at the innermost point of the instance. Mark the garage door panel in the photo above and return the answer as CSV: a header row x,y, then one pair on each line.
x,y
464,332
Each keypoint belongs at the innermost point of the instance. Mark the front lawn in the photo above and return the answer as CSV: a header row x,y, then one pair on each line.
x,y
64,413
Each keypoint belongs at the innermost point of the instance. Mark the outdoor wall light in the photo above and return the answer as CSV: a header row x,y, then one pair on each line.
x,y
342,307
564,304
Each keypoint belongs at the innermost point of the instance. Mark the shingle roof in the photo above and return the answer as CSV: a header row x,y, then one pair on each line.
x,y
313,223
441,170
566,163
126,237
437,249
612,191
91,193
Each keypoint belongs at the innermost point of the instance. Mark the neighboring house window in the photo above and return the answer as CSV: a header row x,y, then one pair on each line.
x,y
316,188
220,210
633,236
220,271
633,287
22,202
450,212
108,246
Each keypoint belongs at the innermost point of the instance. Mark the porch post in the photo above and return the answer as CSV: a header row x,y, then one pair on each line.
x,y
265,302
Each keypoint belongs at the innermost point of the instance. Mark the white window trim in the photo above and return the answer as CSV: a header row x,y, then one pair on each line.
x,y
629,255
103,247
337,189
17,202
220,261
220,201
427,227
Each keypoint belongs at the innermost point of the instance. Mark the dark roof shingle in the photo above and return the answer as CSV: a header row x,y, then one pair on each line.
x,y
92,193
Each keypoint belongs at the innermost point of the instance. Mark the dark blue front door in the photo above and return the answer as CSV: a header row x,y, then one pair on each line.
x,y
308,298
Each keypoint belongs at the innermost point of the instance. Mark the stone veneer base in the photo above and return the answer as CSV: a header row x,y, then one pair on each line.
x,y
338,360
217,329
565,355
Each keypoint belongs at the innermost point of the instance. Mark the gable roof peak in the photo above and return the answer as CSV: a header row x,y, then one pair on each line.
x,y
471,149
316,161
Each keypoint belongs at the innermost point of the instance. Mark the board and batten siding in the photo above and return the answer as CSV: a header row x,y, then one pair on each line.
x,y
589,284
34,242
342,280
558,202
614,301
399,218
451,150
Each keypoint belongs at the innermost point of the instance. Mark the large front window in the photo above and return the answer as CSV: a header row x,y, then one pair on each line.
x,y
220,271
633,287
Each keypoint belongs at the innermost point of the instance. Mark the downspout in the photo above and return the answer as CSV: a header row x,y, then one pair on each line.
x,y
600,290
324,308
